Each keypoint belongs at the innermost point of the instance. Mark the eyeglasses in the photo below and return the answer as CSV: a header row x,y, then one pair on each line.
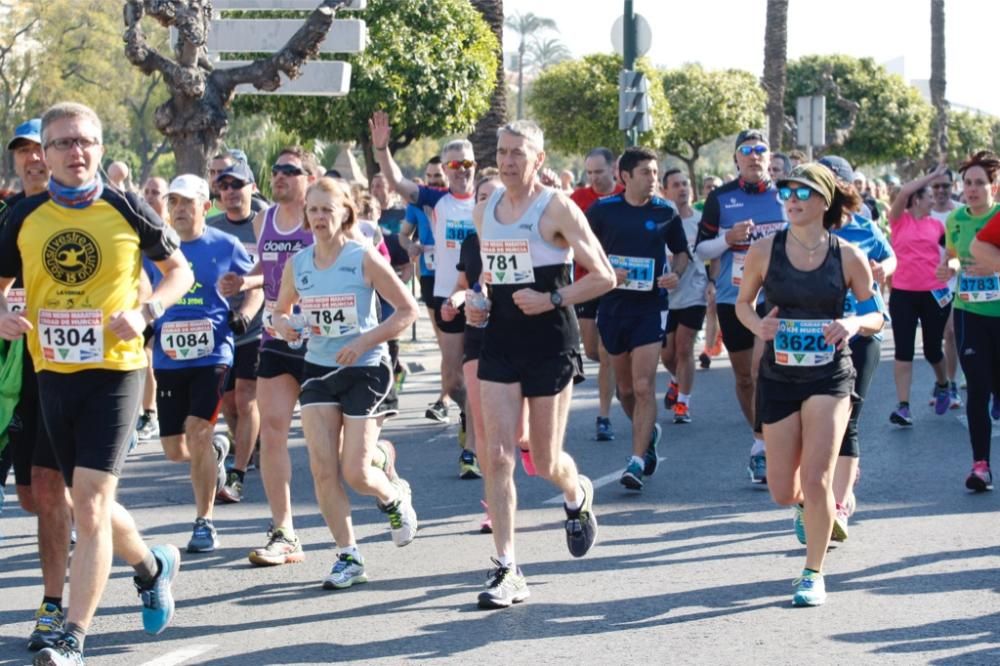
x,y
287,170
801,193
62,145
760,149
223,185
460,164
942,186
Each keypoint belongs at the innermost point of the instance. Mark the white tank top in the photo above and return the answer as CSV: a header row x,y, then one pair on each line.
x,y
543,253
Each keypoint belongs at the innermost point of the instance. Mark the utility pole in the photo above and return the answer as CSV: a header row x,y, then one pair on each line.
x,y
629,49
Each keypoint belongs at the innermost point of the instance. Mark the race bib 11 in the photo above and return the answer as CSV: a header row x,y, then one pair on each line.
x,y
640,272
800,342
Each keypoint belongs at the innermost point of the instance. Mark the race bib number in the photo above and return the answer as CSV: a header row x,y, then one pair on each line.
x,y
640,272
251,249
800,342
429,257
331,316
71,336
942,296
186,340
979,288
16,300
456,231
739,264
765,230
506,262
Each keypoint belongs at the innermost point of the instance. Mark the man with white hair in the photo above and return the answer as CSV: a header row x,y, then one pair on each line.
x,y
529,237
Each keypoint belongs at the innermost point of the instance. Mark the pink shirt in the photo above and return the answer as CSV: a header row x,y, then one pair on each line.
x,y
918,248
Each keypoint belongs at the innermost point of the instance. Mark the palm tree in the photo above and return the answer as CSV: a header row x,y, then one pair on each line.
x,y
546,52
526,26
484,136
939,138
775,56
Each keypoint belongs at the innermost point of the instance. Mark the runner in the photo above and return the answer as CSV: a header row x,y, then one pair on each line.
x,y
239,399
529,236
40,487
687,305
736,215
279,235
866,350
452,223
917,294
806,374
193,351
977,318
633,227
347,371
78,245
154,192
600,166
941,208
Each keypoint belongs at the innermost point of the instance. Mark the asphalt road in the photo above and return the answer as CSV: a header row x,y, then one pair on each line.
x,y
697,568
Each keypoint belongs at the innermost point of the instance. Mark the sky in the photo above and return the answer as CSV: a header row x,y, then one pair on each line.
x,y
723,34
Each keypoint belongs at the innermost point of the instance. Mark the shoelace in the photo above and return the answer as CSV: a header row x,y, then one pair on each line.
x,y
395,519
343,562
498,574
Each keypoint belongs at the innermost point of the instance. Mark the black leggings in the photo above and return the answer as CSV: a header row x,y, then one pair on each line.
x,y
978,340
906,308
865,353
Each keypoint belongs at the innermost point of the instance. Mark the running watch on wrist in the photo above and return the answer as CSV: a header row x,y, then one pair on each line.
x,y
556,298
152,310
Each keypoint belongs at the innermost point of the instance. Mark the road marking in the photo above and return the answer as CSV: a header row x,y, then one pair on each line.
x,y
603,481
964,420
180,656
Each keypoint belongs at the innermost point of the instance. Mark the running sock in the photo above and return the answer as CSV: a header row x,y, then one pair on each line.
x,y
147,570
77,632
684,398
241,474
506,561
55,601
904,403
807,569
149,412
636,459
353,552
574,506
758,447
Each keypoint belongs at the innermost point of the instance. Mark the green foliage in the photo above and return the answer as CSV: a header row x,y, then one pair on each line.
x,y
893,121
708,105
576,104
968,133
430,64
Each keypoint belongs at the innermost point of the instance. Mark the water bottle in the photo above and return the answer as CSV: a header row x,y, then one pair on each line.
x,y
298,322
480,302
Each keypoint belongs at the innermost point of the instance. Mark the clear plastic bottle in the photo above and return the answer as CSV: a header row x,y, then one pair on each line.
x,y
480,302
298,322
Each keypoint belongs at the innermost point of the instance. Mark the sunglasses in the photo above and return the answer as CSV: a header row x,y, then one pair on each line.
x,y
460,164
760,149
62,145
229,185
287,170
801,193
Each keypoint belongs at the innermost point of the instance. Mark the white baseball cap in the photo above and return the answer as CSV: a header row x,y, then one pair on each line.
x,y
190,186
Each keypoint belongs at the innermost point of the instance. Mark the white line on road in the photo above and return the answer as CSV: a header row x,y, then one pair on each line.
x,y
964,420
180,656
603,481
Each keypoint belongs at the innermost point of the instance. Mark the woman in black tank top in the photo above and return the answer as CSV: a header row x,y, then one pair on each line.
x,y
806,377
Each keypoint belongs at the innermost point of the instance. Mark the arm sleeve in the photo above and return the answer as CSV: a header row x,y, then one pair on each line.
x,y
991,232
708,229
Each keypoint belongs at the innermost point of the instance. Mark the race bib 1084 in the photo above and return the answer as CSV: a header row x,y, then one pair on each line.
x,y
71,336
331,316
800,342
640,272
188,339
506,262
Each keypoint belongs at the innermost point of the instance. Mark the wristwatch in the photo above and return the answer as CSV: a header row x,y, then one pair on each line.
x,y
152,310
556,298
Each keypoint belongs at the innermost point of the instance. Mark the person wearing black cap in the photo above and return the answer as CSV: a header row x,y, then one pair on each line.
x,y
738,214
806,375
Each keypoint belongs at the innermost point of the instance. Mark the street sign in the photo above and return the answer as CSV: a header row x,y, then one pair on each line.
x,y
269,35
633,102
644,35
318,78
810,121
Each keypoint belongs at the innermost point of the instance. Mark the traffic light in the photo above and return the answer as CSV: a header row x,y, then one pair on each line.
x,y
633,102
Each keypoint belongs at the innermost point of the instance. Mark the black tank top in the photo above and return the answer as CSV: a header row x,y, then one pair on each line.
x,y
816,295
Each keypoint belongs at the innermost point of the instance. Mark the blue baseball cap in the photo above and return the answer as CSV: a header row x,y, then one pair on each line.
x,y
840,167
238,171
30,130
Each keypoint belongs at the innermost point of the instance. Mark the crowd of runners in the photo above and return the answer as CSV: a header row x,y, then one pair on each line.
x,y
132,316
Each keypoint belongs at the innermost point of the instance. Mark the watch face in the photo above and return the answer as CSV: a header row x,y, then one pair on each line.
x,y
556,298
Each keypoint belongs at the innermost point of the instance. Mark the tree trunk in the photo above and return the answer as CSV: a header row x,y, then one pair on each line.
x,y
938,149
484,136
773,81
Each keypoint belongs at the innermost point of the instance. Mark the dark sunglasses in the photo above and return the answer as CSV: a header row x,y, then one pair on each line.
x,y
760,149
287,170
460,164
801,193
229,185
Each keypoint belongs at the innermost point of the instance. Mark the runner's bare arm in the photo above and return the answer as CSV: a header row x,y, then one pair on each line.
x,y
572,226
287,298
381,131
986,254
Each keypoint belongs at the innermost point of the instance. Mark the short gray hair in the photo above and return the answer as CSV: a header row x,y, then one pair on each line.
x,y
527,130
71,110
458,145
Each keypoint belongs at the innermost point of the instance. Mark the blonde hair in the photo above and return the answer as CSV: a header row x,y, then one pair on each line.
x,y
71,110
341,197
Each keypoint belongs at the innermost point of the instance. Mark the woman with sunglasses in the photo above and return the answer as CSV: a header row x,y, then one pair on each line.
x,y
806,375
917,295
977,308
347,376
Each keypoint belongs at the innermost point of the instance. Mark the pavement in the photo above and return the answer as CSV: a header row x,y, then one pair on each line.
x,y
695,569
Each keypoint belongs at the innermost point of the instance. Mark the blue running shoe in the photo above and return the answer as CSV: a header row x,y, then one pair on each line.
x,y
942,399
810,590
204,537
757,469
901,416
632,476
158,600
649,458
604,430
800,524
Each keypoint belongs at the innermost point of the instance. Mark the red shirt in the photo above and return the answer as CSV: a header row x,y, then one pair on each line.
x,y
989,233
584,198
